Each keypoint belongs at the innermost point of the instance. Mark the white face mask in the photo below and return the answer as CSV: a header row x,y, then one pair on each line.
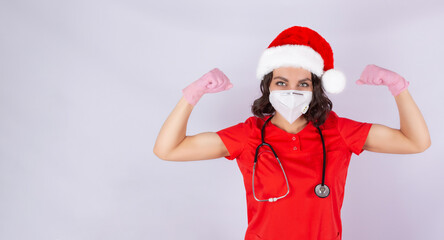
x,y
291,104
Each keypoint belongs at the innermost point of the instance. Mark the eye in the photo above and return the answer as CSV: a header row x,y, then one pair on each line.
x,y
304,84
278,83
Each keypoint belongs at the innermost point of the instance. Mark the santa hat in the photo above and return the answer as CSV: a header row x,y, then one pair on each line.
x,y
302,47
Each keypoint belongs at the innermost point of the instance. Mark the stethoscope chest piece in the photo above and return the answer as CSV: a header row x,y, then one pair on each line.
x,y
322,191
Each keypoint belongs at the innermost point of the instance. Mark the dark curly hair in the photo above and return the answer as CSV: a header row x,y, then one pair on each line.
x,y
318,110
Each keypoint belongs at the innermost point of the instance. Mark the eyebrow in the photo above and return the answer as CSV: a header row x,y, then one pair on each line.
x,y
305,79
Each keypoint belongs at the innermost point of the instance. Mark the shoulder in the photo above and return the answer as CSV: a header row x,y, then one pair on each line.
x,y
331,121
348,127
252,126
256,122
245,126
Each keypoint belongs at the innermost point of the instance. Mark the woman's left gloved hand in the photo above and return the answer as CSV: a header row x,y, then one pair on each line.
x,y
374,75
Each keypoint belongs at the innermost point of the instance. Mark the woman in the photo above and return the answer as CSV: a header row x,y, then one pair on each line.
x,y
295,152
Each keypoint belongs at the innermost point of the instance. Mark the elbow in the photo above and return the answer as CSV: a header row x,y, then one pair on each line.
x,y
159,154
424,146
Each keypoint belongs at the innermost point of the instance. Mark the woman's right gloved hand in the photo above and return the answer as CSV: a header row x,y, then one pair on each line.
x,y
211,82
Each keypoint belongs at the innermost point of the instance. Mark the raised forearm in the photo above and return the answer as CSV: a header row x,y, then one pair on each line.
x,y
412,123
174,129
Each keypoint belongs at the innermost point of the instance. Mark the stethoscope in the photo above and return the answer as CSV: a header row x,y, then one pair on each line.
x,y
321,190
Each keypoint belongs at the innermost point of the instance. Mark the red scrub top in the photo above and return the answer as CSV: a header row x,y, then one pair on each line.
x,y
301,214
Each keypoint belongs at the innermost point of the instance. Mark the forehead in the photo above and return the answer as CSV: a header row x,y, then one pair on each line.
x,y
290,72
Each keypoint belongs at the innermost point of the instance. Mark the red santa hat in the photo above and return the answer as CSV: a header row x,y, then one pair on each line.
x,y
302,47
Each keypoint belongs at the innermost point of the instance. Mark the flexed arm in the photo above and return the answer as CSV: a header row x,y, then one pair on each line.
x,y
413,135
172,144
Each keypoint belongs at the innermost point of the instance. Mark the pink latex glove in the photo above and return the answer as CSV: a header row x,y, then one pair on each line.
x,y
211,82
375,75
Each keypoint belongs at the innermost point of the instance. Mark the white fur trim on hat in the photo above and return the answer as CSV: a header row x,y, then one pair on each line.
x,y
290,56
333,81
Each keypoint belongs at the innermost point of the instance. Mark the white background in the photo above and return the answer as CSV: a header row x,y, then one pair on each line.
x,y
85,87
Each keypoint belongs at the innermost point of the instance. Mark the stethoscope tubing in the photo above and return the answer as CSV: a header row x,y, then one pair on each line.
x,y
321,190
324,155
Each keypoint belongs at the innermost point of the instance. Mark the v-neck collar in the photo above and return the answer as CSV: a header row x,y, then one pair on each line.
x,y
280,131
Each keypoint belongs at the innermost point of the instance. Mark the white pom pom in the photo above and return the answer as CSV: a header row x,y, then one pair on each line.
x,y
333,81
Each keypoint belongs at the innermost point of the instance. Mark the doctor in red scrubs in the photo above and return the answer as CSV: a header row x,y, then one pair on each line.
x,y
294,151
